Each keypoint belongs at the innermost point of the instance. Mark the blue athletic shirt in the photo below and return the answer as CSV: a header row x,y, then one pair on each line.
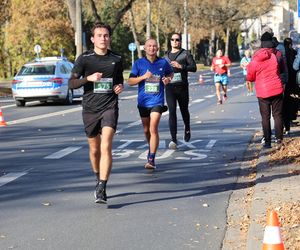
x,y
151,91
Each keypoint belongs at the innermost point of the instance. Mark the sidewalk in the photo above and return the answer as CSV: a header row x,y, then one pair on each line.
x,y
275,186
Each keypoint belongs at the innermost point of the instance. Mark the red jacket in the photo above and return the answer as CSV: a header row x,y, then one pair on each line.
x,y
264,71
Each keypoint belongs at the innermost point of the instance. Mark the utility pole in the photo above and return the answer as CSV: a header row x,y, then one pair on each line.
x,y
185,31
78,34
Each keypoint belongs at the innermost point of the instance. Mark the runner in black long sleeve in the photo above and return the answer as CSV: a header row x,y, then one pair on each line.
x,y
178,90
100,72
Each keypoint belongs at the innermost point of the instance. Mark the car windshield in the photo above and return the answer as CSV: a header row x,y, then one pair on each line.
x,y
37,70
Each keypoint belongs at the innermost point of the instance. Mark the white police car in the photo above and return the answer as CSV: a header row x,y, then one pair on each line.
x,y
44,79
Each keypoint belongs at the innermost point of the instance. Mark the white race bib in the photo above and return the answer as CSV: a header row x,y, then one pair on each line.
x,y
103,86
176,78
152,85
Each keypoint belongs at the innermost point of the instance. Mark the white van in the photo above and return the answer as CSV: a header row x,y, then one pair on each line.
x,y
45,79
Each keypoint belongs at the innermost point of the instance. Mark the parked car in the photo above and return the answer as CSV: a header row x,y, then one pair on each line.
x,y
45,79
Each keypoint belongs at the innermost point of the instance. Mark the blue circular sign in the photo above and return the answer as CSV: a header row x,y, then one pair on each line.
x,y
132,46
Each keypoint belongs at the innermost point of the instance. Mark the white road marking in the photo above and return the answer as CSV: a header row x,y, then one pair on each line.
x,y
37,117
210,144
10,177
8,106
128,97
198,100
209,96
60,154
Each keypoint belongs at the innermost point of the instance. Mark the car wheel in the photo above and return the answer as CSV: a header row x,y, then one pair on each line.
x,y
69,98
20,103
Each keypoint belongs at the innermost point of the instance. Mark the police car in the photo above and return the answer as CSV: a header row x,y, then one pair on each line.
x,y
45,79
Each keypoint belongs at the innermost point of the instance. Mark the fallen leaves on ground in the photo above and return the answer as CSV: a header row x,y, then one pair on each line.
x,y
289,212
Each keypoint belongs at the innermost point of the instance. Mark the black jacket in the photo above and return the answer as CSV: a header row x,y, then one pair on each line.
x,y
188,63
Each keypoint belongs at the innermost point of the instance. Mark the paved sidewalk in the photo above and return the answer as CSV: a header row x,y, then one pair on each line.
x,y
275,184
260,187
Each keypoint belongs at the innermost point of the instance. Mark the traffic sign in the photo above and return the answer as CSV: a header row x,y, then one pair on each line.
x,y
132,46
37,48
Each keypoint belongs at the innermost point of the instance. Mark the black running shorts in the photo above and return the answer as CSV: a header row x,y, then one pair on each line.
x,y
145,112
94,122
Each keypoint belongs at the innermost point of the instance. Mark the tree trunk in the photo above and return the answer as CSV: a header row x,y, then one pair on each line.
x,y
133,30
227,41
212,49
72,12
157,28
95,12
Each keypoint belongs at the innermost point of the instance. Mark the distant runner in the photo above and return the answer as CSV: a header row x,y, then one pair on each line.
x,y
178,90
151,73
244,62
220,66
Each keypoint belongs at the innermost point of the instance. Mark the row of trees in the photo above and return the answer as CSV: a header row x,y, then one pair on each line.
x,y
51,23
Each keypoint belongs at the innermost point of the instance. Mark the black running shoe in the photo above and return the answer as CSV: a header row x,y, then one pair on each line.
x,y
187,135
100,194
267,145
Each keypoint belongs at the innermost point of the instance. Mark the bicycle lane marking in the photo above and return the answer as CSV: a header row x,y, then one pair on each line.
x,y
7,178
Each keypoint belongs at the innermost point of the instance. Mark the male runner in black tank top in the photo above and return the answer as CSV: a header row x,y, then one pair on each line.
x,y
178,90
100,72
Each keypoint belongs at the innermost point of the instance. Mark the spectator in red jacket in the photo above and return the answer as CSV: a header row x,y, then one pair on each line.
x,y
264,71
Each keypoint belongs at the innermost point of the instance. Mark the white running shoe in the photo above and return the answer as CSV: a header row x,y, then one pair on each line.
x,y
172,145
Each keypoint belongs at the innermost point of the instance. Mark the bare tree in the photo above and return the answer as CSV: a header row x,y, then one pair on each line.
x,y
133,30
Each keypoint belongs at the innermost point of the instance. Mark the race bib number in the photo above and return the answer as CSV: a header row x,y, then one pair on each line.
x,y
176,78
103,86
152,85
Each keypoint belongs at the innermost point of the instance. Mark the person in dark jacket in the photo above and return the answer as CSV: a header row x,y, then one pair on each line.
x,y
290,103
264,71
178,90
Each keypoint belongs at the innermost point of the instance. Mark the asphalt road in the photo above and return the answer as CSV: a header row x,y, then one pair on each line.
x,y
46,183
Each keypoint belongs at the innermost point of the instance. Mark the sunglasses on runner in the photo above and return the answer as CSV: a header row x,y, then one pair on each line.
x,y
175,39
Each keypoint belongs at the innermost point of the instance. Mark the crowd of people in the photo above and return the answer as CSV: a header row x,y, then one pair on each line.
x,y
271,67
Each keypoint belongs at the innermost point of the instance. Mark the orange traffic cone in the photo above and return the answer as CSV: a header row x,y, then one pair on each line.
x,y
201,80
2,122
272,238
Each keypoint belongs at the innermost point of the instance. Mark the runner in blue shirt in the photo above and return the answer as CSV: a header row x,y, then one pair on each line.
x,y
151,73
244,62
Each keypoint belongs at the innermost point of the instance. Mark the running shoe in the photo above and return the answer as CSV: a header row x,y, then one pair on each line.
x,y
219,102
100,194
150,166
278,143
187,135
225,97
172,145
263,140
267,145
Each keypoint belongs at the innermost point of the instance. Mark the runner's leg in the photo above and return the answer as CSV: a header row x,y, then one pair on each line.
x,y
106,152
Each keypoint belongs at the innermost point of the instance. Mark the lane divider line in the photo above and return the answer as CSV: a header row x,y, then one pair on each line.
x,y
37,117
60,154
